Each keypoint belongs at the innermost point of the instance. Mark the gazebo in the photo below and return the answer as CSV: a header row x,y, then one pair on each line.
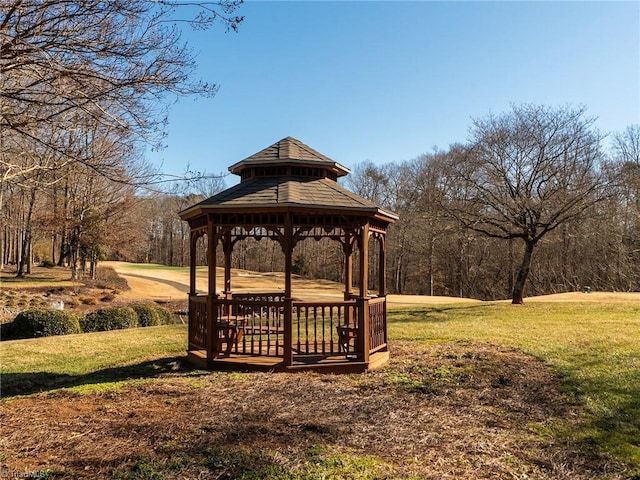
x,y
288,193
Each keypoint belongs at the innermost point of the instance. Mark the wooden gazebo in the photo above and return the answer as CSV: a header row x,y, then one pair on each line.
x,y
288,192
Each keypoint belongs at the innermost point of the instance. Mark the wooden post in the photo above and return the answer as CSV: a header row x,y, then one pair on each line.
x,y
364,261
192,262
382,290
363,329
192,283
211,256
227,247
212,311
363,321
287,248
347,247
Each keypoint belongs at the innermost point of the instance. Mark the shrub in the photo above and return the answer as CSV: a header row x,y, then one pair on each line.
x,y
147,315
113,318
41,323
47,264
89,300
6,331
107,297
164,316
109,278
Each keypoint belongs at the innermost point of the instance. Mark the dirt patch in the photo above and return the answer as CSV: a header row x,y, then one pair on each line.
x,y
442,411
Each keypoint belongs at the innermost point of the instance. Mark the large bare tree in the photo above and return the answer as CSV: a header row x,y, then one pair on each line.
x,y
525,173
114,62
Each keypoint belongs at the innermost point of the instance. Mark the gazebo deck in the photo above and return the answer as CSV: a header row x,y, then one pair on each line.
x,y
261,363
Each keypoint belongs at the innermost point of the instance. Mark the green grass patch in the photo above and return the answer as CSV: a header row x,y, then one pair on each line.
x,y
313,463
595,348
90,359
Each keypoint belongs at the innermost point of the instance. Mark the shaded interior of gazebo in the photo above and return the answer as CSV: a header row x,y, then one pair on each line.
x,y
288,193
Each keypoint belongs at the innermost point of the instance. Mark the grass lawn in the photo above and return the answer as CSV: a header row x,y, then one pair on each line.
x,y
593,348
89,360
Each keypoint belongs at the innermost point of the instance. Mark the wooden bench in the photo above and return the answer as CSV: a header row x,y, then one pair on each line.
x,y
229,332
347,336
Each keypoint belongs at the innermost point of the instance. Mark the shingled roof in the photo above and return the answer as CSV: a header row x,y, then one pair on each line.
x,y
275,191
289,151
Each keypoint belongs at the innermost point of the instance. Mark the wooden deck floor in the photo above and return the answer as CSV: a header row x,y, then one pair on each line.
x,y
332,364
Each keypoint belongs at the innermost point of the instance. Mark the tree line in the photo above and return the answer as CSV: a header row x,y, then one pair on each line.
x,y
535,200
533,203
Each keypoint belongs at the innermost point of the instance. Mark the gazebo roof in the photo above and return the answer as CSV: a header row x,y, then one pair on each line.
x,y
289,151
283,191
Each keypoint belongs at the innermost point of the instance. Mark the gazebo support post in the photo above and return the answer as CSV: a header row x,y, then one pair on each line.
x,y
192,263
212,311
287,248
363,323
347,248
227,248
382,290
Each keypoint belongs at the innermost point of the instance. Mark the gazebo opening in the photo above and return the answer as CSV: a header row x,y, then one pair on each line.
x,y
288,195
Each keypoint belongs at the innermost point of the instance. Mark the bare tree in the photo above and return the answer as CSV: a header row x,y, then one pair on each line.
x,y
626,146
64,62
525,173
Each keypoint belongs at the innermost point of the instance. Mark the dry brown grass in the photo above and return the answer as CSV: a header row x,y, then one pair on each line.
x,y
463,411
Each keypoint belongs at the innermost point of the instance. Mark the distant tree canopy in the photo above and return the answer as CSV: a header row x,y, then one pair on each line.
x,y
534,179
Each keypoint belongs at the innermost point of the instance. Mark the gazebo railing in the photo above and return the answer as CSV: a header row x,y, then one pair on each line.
x,y
377,323
315,326
261,323
253,324
197,322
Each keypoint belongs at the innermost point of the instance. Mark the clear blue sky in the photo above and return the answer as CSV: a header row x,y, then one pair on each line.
x,y
388,81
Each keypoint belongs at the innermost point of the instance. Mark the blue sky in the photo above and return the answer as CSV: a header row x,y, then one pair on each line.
x,y
388,81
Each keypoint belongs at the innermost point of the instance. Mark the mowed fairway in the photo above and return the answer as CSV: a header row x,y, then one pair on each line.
x,y
546,390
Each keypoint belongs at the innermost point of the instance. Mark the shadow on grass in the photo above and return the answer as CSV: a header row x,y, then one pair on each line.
x,y
36,382
430,314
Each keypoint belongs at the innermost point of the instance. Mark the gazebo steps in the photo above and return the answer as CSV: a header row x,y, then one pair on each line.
x,y
333,364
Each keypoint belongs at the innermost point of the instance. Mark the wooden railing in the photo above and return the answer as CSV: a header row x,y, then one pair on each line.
x,y
197,322
261,323
257,322
377,323
315,325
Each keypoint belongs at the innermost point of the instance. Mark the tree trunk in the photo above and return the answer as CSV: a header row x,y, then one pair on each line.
x,y
523,273
24,264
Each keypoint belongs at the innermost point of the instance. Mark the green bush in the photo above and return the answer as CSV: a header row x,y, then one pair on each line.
x,y
112,318
164,316
147,315
35,323
6,331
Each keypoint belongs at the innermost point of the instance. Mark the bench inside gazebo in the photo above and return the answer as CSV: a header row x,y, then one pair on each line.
x,y
288,193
